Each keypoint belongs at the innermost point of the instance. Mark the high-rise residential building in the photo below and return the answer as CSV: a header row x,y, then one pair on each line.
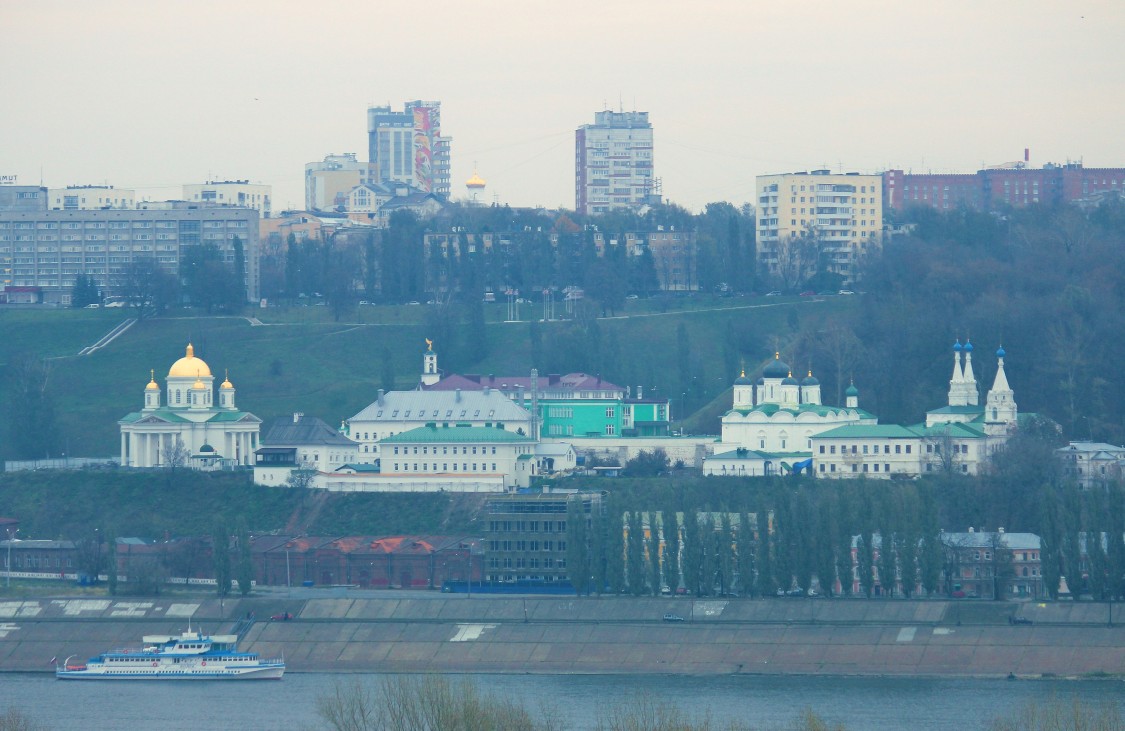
x,y
240,193
841,214
613,163
407,146
327,183
90,197
43,251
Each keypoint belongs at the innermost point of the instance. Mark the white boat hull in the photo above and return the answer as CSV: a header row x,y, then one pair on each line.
x,y
269,672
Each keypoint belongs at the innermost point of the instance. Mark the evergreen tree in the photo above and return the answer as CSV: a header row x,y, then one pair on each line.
x,y
767,585
388,374
692,552
84,292
671,526
745,585
725,554
864,563
1050,543
635,564
654,576
1071,520
245,564
239,296
709,559
220,547
825,544
615,545
598,547
931,550
1115,548
577,550
111,559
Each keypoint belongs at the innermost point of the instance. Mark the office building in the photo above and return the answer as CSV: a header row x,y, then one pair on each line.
x,y
613,163
841,212
407,146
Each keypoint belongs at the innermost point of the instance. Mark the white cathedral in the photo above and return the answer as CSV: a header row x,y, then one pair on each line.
x,y
771,424
189,429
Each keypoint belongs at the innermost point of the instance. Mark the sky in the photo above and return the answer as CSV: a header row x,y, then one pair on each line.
x,y
152,95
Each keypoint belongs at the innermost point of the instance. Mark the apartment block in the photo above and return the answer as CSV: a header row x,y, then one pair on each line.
x,y
843,212
613,163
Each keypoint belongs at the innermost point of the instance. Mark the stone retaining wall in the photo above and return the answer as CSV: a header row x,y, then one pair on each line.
x,y
623,635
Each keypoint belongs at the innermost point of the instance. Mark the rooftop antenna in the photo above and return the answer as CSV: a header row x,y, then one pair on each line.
x,y
620,103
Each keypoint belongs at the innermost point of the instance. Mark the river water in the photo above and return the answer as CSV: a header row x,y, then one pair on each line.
x,y
862,704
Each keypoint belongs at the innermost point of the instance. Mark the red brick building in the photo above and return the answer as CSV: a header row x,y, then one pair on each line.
x,y
997,188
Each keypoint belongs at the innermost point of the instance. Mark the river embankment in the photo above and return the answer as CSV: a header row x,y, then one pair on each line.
x,y
558,635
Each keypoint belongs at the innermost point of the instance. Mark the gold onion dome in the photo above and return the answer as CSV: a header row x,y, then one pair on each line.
x,y
152,385
198,385
475,182
189,366
226,381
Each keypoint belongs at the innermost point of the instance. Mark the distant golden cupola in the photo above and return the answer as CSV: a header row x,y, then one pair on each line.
x,y
226,380
189,366
152,385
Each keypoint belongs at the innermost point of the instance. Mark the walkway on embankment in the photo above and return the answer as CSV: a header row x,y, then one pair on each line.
x,y
622,635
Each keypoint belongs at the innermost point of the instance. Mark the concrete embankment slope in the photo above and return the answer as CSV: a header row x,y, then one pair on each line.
x,y
622,635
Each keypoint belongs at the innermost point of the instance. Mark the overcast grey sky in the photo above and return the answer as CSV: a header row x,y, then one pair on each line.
x,y
155,94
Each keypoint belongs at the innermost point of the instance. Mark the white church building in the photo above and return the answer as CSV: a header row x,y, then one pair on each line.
x,y
184,425
771,424
959,437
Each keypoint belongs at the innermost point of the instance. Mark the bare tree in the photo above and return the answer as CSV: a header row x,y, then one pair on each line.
x,y
943,452
174,455
302,476
796,257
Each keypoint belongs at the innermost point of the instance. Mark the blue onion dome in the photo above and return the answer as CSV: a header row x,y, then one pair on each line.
x,y
1000,353
957,346
761,381
968,347
743,380
789,380
852,391
206,448
777,369
810,381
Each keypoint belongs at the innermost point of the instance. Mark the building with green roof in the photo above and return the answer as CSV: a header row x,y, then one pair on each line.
x,y
959,437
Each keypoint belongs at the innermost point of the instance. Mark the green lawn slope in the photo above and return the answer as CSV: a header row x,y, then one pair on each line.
x,y
299,359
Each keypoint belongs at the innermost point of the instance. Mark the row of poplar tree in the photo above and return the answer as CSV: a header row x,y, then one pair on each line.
x,y
840,538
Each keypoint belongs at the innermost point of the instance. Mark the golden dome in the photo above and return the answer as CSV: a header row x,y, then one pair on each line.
x,y
226,380
198,385
475,182
152,386
189,366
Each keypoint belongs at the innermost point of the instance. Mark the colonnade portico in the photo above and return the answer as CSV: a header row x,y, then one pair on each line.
x,y
198,429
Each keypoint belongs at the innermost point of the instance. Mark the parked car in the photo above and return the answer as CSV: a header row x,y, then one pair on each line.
x,y
1018,620
673,618
845,291
810,293
775,293
281,617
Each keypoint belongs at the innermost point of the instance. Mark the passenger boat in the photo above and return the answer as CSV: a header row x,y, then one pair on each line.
x,y
187,656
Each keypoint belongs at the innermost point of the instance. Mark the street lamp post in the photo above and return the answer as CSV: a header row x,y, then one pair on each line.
x,y
8,572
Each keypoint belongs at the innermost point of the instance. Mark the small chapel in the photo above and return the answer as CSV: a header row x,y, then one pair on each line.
x,y
185,426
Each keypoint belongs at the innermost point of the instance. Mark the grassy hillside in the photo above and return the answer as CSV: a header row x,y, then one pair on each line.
x,y
299,359
70,504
